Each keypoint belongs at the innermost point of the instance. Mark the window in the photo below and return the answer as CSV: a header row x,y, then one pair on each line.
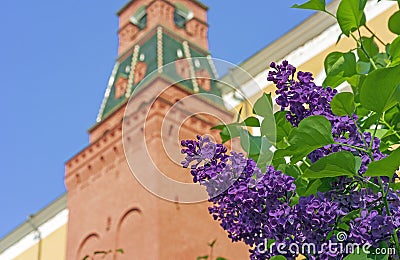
x,y
140,18
181,15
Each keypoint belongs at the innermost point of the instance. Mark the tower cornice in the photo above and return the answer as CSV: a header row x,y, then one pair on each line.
x,y
200,4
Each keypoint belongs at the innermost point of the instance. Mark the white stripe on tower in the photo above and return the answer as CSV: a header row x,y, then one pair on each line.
x,y
135,56
191,68
160,49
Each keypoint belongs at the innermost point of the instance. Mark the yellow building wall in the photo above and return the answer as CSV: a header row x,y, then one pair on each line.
x,y
379,25
315,65
53,247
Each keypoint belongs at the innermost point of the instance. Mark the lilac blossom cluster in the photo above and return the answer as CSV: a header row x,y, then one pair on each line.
x,y
254,205
303,98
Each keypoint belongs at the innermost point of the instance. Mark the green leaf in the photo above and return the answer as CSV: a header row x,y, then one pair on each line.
x,y
283,128
358,164
202,257
380,133
386,166
362,4
394,50
318,5
369,46
229,131
263,106
265,155
333,81
278,257
343,226
337,62
120,250
381,60
395,186
354,256
221,258
338,67
289,170
380,89
268,128
351,215
294,200
239,116
342,104
394,23
301,186
312,187
305,187
363,67
356,82
336,164
251,121
349,16
276,162
377,254
339,38
254,145
312,133
332,61
218,127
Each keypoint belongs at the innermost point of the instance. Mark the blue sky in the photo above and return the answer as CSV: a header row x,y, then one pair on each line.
x,y
55,60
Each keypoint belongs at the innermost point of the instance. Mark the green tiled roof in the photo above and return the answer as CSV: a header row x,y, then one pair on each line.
x,y
172,49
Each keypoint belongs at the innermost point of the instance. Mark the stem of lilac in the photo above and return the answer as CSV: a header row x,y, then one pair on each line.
x,y
301,172
384,194
367,181
330,14
365,52
306,163
359,43
371,32
385,201
396,242
354,147
389,126
360,132
373,135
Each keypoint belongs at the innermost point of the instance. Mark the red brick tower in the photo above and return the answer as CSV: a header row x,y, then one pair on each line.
x,y
108,207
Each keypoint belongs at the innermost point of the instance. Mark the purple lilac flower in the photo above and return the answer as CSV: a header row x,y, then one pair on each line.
x,y
372,228
254,207
303,98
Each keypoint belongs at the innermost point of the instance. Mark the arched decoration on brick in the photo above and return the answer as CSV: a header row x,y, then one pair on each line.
x,y
88,245
120,86
140,72
130,230
182,67
203,79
